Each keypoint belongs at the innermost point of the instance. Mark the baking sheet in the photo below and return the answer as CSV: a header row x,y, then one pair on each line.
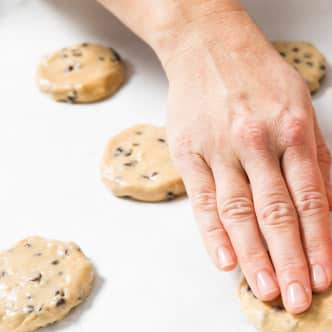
x,y
153,274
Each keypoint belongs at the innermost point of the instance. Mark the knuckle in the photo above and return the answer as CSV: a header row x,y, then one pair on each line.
x,y
293,131
252,258
251,133
204,201
277,214
290,263
317,246
311,202
213,231
236,210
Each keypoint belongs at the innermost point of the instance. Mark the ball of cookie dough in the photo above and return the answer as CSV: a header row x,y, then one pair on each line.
x,y
272,317
137,164
41,280
306,58
81,73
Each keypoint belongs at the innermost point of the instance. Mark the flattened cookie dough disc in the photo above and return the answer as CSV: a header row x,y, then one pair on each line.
x,y
81,73
306,58
272,317
137,164
40,282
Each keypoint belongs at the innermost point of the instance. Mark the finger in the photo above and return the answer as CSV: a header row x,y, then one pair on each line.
x,y
279,225
201,191
324,160
237,215
306,185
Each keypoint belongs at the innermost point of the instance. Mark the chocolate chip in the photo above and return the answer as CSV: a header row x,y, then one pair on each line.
x,y
248,288
278,307
60,293
101,58
27,245
322,67
28,309
128,153
69,68
60,273
307,55
283,54
29,297
55,262
115,55
85,44
60,302
170,195
38,254
139,133
72,97
309,63
118,151
3,274
161,140
296,60
150,177
130,163
135,144
295,49
36,277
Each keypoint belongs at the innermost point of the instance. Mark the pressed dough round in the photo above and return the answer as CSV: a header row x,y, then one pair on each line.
x,y
306,58
81,73
272,317
137,163
41,280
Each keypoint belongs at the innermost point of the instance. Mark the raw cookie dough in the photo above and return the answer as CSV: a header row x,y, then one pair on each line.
x,y
306,58
137,164
81,73
40,282
272,317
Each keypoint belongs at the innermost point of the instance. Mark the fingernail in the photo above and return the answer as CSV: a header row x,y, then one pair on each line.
x,y
266,284
296,295
225,257
318,275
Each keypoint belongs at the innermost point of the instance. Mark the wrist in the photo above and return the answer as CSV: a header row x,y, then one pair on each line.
x,y
225,38
182,24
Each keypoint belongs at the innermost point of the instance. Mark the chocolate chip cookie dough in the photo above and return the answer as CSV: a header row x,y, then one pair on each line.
x,y
40,282
306,58
272,317
137,164
81,73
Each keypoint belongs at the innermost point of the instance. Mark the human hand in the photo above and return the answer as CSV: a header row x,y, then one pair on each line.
x,y
243,134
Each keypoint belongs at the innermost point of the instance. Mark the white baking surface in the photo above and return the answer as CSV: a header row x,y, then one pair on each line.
x,y
153,272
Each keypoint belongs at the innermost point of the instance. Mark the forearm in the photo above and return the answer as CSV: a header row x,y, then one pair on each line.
x,y
169,25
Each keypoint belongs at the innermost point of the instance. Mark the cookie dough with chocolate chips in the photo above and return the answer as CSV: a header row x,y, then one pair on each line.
x,y
40,282
272,317
137,164
306,58
81,73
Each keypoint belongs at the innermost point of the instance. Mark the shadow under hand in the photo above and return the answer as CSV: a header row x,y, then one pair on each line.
x,y
79,311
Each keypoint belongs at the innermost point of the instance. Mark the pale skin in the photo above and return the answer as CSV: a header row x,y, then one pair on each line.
x,y
244,137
